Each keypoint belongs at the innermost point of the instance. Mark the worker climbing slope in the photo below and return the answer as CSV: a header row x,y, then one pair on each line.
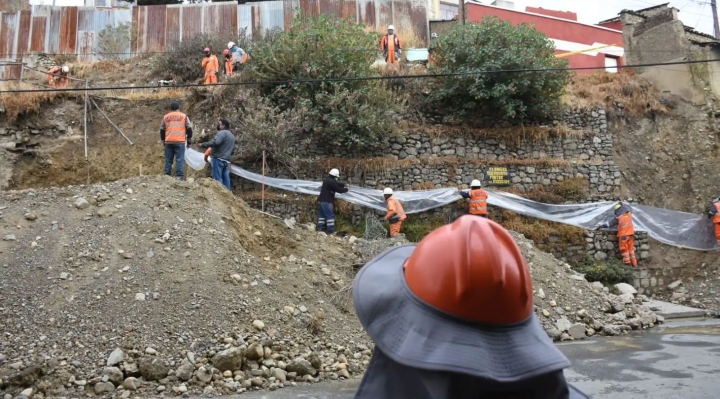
x,y
478,199
395,212
625,232
453,318
714,213
390,46
58,76
239,55
211,67
326,212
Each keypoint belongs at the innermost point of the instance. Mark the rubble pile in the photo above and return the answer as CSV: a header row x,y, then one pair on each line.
x,y
571,308
153,285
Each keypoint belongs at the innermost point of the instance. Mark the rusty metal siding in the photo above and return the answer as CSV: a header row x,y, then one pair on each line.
x,y
10,71
172,24
23,39
221,18
39,28
245,19
68,30
155,33
366,13
8,33
86,45
192,20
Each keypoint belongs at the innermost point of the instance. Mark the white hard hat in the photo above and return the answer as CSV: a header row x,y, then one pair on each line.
x,y
65,69
387,191
390,27
334,172
230,45
475,183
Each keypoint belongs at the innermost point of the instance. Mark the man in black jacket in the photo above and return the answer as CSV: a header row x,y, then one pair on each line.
x,y
326,214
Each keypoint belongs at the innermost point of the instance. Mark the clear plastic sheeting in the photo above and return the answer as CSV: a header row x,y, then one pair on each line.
x,y
680,229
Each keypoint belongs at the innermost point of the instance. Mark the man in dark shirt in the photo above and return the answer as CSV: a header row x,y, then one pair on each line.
x,y
326,213
223,146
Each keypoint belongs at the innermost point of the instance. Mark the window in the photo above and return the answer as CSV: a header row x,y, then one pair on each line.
x,y
611,64
448,11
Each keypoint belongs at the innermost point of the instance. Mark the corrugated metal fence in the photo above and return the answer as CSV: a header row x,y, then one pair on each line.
x,y
75,30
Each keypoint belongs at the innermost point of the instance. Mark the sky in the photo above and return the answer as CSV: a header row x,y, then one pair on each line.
x,y
693,13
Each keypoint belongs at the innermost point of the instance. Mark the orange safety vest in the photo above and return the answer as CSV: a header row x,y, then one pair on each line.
x,y
210,64
394,208
478,202
716,218
175,127
229,66
625,225
390,45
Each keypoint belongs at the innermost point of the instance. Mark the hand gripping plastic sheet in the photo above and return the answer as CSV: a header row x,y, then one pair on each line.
x,y
680,229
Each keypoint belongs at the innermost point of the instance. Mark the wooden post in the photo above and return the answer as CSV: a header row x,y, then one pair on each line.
x,y
263,184
85,123
461,12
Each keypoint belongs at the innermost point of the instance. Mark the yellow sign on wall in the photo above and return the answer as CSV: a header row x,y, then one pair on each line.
x,y
498,176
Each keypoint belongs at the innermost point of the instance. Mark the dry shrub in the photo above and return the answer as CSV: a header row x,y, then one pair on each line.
x,y
602,89
426,185
143,94
314,324
574,189
546,235
380,164
18,104
508,135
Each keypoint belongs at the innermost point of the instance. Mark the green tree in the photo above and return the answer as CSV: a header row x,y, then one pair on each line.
x,y
114,40
352,113
489,47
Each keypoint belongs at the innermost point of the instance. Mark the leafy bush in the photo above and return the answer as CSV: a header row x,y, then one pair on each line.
x,y
183,61
114,40
608,272
496,45
354,114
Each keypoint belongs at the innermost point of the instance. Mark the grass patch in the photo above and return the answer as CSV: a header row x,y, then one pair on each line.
x,y
574,189
18,104
512,135
416,229
144,94
609,272
546,235
601,89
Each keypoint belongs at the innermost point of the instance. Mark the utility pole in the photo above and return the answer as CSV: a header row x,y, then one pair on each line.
x,y
461,11
713,4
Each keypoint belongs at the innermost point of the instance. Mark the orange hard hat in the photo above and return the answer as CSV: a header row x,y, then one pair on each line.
x,y
206,49
226,52
472,269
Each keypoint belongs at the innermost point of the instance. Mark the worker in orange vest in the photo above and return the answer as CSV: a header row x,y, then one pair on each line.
x,y
625,232
478,199
715,215
58,76
211,66
390,46
229,63
453,318
176,134
395,212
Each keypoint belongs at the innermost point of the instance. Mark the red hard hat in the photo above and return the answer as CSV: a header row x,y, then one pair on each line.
x,y
226,52
472,269
206,49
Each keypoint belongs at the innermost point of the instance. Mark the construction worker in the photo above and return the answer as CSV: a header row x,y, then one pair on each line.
x,y
453,318
478,199
395,213
58,77
238,54
326,200
714,213
390,46
625,232
211,66
229,63
176,134
434,46
223,146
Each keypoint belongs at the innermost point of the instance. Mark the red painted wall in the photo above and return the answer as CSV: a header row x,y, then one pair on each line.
x,y
617,25
556,29
553,13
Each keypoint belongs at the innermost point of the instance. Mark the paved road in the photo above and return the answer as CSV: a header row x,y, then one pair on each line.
x,y
680,361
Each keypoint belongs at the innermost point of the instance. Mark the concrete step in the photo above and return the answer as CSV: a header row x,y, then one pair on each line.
x,y
674,311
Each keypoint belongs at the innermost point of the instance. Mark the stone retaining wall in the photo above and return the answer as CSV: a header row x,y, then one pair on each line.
x,y
653,280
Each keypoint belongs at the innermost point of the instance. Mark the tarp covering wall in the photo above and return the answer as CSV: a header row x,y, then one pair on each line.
x,y
680,229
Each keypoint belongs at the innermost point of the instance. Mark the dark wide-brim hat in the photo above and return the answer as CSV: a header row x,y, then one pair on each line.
x,y
415,334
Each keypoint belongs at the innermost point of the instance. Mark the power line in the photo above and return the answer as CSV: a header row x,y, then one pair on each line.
x,y
350,79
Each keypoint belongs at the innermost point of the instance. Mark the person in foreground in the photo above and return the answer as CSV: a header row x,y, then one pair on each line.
x,y
452,318
222,147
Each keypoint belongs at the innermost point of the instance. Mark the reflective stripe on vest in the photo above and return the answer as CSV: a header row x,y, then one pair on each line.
x,y
716,218
478,202
625,226
175,127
